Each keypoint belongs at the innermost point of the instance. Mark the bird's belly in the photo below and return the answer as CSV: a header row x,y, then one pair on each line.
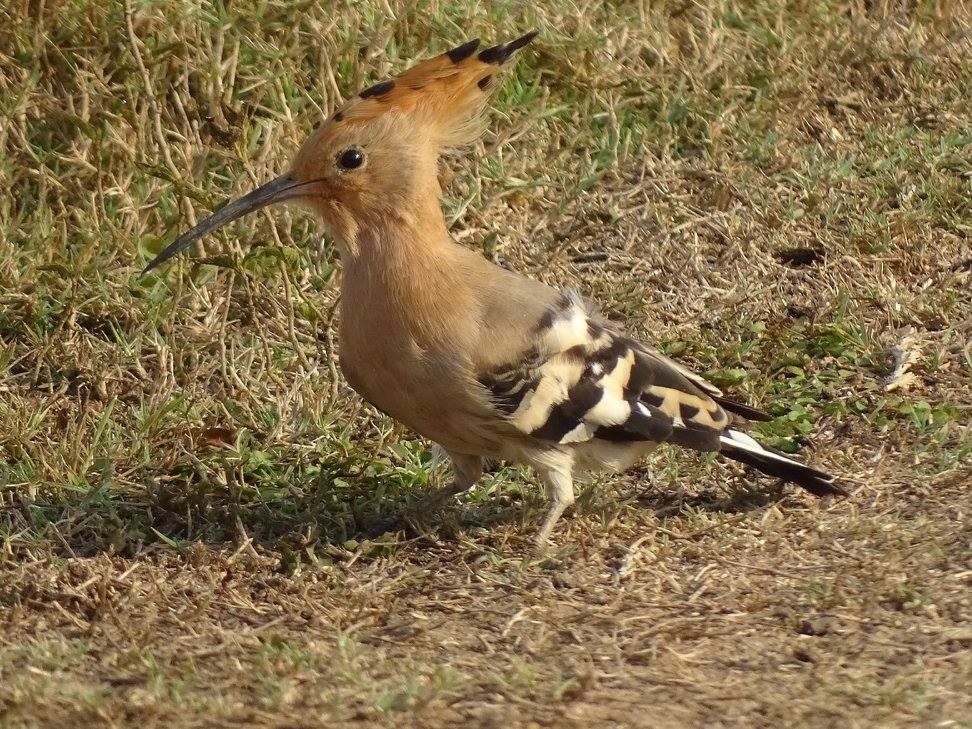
x,y
434,403
600,455
388,389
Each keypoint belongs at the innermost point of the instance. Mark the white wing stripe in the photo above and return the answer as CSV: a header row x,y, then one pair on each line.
x,y
744,442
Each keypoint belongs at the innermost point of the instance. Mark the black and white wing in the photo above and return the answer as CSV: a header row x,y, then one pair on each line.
x,y
585,383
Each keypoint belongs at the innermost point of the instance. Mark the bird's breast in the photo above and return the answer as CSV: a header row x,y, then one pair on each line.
x,y
425,385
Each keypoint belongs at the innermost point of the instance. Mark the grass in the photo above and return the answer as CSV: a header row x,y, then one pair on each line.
x,y
192,500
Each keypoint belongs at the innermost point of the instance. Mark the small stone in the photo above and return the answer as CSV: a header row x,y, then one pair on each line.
x,y
804,654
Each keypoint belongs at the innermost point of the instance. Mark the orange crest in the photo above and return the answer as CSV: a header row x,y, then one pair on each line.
x,y
448,92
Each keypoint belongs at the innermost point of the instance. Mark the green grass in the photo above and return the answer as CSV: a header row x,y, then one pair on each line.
x,y
191,497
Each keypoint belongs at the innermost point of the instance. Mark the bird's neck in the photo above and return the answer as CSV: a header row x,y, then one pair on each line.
x,y
410,242
407,272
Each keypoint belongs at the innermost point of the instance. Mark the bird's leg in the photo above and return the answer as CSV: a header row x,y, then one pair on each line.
x,y
466,471
560,494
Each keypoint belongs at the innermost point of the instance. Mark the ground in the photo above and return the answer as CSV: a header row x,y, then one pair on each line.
x,y
192,499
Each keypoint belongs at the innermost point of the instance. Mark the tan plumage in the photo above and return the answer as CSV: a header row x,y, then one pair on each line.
x,y
482,361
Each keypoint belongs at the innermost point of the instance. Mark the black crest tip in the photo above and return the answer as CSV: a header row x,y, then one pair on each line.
x,y
499,53
517,44
378,89
461,53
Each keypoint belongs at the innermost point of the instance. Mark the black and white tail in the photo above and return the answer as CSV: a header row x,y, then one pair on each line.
x,y
740,447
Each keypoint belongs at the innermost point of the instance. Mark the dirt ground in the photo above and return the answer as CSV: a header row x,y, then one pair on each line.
x,y
198,517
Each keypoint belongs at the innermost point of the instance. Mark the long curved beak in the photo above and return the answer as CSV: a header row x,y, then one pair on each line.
x,y
278,189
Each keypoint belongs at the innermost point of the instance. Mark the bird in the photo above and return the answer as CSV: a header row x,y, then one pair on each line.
x,y
488,364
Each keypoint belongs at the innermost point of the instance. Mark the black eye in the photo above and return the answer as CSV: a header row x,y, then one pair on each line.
x,y
351,159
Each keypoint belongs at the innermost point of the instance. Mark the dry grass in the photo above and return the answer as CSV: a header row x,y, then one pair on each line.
x,y
778,193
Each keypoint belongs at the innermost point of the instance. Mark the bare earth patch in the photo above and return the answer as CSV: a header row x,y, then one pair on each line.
x,y
199,521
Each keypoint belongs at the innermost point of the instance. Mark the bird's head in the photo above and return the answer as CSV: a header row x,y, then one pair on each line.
x,y
377,155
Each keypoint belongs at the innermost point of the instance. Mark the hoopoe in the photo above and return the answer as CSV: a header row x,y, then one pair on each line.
x,y
482,361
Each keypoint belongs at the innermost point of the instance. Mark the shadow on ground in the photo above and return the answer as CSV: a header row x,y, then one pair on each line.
x,y
332,507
